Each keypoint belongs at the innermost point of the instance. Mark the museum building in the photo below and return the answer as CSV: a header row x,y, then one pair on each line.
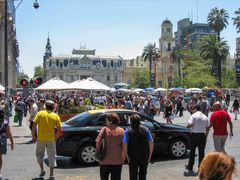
x,y
81,64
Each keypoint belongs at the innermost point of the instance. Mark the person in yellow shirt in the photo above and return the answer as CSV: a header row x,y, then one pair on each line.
x,y
46,122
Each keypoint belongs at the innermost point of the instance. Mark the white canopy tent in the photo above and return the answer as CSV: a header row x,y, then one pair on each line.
x,y
2,88
160,89
88,84
194,90
54,84
138,90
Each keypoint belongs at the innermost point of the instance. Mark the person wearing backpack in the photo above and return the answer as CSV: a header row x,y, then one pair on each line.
x,y
21,109
138,148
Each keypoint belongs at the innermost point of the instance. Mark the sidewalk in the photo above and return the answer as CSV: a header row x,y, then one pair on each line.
x,y
21,134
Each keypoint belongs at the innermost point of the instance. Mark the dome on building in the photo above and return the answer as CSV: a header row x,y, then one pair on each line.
x,y
167,21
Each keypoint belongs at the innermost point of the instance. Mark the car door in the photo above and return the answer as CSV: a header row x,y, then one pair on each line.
x,y
159,135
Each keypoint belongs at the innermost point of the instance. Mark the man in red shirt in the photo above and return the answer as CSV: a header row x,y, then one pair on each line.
x,y
218,121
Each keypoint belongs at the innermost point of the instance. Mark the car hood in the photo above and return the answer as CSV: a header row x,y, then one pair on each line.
x,y
175,127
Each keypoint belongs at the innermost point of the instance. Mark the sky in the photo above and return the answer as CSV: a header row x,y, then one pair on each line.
x,y
112,27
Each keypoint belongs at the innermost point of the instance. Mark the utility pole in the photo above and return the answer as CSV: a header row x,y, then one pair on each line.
x,y
6,58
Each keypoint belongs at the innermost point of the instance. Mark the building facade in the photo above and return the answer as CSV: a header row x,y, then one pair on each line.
x,y
12,45
189,35
164,67
81,64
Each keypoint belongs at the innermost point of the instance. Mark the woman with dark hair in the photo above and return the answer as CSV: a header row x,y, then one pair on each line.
x,y
168,111
114,156
235,108
138,146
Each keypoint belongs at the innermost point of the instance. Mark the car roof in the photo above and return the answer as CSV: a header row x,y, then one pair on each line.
x,y
109,110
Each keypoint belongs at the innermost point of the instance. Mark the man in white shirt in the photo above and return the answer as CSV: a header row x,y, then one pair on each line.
x,y
199,124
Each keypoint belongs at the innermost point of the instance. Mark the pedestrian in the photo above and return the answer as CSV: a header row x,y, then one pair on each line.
x,y
138,147
21,109
5,132
199,125
217,166
32,113
168,112
45,122
180,106
114,158
218,121
235,108
223,103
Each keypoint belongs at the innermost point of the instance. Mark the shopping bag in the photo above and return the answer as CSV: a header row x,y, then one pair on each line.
x,y
16,117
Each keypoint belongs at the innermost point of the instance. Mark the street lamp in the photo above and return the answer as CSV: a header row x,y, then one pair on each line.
x,y
35,5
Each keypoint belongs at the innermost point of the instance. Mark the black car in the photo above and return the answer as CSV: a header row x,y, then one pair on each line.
x,y
79,134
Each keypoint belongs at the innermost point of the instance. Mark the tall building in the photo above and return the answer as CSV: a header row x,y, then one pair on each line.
x,y
189,35
81,64
47,55
166,67
13,49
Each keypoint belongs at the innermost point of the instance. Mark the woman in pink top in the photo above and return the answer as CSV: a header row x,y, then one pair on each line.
x,y
114,158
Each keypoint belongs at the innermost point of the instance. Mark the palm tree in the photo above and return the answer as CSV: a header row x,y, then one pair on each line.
x,y
150,54
218,20
236,20
216,50
177,56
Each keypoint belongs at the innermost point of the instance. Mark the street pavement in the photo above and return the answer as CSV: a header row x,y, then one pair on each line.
x,y
21,164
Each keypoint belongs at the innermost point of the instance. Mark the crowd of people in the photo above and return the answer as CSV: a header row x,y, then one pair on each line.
x,y
122,144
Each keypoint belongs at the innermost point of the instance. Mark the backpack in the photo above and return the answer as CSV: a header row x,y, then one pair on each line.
x,y
18,107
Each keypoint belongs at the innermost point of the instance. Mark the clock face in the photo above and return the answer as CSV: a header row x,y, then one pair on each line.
x,y
168,30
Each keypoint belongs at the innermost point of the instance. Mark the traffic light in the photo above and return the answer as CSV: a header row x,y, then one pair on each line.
x,y
24,82
37,81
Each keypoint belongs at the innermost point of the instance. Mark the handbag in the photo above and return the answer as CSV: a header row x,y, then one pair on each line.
x,y
16,117
101,151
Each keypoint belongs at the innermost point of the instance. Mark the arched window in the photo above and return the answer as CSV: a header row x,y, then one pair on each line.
x,y
169,46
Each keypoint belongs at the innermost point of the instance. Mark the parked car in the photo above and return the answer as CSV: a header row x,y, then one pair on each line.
x,y
79,134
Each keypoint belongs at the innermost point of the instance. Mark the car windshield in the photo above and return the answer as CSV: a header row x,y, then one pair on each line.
x,y
79,119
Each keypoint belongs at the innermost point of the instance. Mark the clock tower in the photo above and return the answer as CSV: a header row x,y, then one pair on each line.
x,y
166,41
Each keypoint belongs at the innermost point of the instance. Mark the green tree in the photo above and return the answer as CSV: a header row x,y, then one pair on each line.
x,y
19,78
140,78
229,78
236,20
150,54
216,50
218,20
38,71
197,72
177,55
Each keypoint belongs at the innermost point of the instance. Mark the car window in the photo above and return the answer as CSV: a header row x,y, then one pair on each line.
x,y
146,122
123,119
98,120
80,119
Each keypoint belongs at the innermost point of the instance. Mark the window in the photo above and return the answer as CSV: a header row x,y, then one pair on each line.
x,y
108,78
116,78
65,62
146,122
169,46
98,120
104,63
57,62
